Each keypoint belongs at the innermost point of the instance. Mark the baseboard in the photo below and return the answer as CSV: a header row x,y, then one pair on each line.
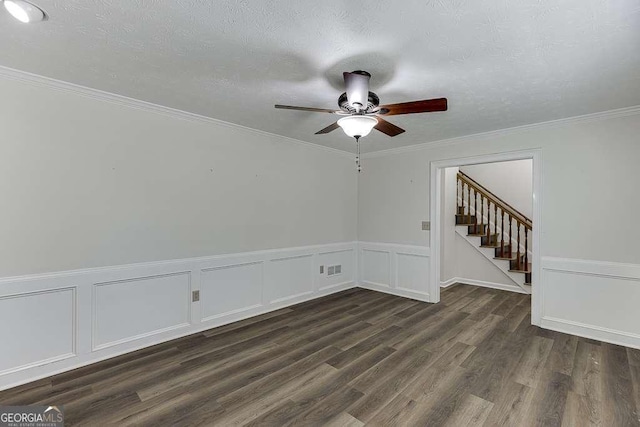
x,y
395,269
86,316
592,299
448,283
592,332
405,293
482,283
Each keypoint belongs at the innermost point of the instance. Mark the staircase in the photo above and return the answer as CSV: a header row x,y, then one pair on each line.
x,y
481,219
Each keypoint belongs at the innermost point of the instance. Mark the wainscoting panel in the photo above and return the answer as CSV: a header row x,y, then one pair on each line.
x,y
60,321
597,300
396,269
230,289
376,267
290,277
412,272
32,335
131,309
346,259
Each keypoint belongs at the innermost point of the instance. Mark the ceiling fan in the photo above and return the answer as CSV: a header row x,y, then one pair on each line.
x,y
362,110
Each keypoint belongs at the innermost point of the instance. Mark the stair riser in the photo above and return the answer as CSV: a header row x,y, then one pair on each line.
x,y
492,240
477,229
507,251
464,219
513,265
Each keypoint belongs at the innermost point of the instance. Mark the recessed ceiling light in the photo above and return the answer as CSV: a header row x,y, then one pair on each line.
x,y
24,11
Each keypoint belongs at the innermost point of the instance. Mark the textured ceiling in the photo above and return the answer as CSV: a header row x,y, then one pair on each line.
x,y
500,63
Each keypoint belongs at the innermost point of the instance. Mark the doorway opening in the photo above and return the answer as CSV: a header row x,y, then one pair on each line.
x,y
472,202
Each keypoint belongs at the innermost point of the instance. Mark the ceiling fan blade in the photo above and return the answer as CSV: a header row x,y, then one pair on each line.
x,y
424,106
357,84
311,109
328,129
388,128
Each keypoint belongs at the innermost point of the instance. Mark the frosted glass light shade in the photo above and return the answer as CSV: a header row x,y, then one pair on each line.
x,y
357,125
24,11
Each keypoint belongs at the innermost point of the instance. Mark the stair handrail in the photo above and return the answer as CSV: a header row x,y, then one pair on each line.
x,y
506,207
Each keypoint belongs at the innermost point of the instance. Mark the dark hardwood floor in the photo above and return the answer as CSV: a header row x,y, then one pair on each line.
x,y
361,357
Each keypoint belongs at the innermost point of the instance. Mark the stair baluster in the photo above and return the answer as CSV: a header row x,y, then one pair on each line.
x,y
458,184
526,250
502,234
518,246
490,237
469,206
495,225
475,210
481,213
488,220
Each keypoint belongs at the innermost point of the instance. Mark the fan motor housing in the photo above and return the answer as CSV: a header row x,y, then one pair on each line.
x,y
372,104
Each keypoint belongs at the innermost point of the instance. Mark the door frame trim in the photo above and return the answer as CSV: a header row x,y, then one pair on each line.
x,y
435,235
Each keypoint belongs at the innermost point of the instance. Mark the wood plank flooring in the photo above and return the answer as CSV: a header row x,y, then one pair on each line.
x,y
361,358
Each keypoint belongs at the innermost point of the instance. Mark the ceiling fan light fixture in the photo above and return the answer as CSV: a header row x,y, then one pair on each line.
x,y
24,11
357,125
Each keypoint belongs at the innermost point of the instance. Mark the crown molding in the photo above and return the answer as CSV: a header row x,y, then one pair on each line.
x,y
593,117
112,98
87,92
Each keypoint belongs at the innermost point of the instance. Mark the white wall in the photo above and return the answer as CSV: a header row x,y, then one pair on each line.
x,y
511,181
589,172
163,204
88,183
473,266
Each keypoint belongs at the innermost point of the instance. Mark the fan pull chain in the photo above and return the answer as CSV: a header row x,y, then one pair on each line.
x,y
358,167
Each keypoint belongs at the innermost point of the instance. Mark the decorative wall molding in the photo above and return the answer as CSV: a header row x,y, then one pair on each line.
x,y
124,101
110,311
53,334
593,117
401,270
576,298
592,299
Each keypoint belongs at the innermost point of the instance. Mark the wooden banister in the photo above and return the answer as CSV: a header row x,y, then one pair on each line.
x,y
497,201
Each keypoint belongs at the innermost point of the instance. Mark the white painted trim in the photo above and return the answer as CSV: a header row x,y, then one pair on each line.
x,y
74,329
403,249
597,269
593,117
124,101
594,268
482,283
83,282
591,331
435,201
112,98
400,292
447,283
258,255
393,250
